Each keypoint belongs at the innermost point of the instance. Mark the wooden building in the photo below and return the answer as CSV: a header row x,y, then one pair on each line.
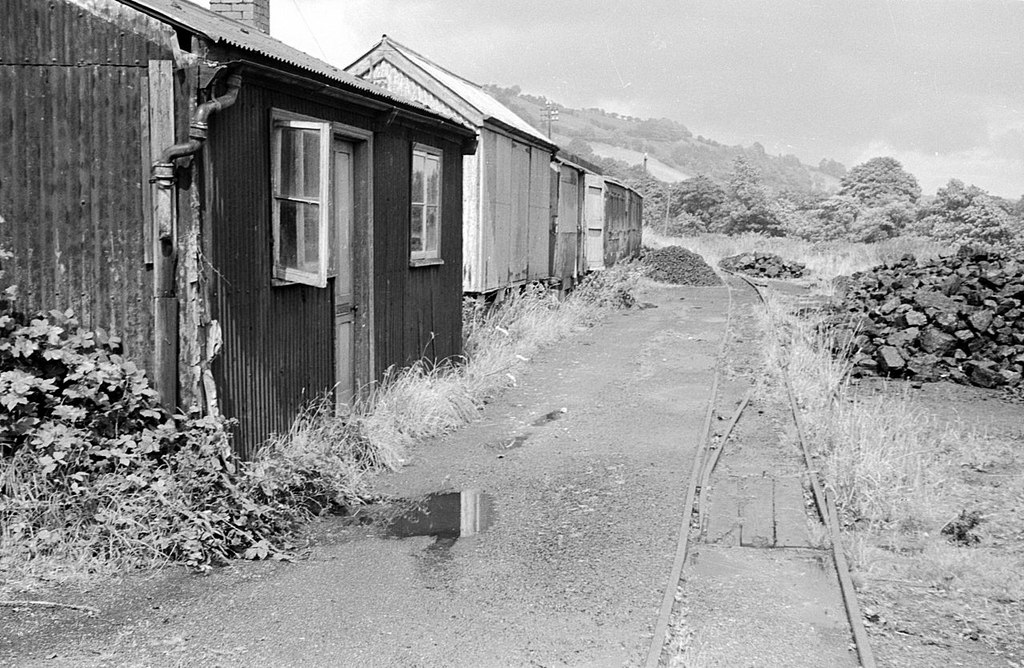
x,y
507,235
304,228
568,247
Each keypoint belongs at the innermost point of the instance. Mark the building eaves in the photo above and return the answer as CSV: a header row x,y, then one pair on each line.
x,y
218,29
489,108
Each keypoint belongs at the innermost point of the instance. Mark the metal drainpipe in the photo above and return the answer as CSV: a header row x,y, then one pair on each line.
x,y
165,299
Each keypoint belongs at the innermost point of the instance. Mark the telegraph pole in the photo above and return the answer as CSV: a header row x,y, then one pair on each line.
x,y
549,113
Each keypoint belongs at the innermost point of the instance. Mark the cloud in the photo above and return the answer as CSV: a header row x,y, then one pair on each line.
x,y
819,79
980,166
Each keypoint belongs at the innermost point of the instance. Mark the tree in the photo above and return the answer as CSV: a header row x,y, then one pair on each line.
x,y
963,214
752,207
828,220
832,168
698,196
880,181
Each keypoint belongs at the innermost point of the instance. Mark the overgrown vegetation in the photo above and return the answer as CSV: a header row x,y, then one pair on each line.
x,y
925,502
96,476
875,201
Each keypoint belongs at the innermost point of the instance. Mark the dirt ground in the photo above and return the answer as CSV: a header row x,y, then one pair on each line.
x,y
584,466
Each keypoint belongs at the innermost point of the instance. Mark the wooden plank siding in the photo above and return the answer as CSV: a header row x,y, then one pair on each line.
x,y
622,223
594,213
511,243
539,218
278,340
72,175
567,201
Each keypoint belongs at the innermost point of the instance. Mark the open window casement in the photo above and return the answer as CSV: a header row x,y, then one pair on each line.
x,y
300,174
425,216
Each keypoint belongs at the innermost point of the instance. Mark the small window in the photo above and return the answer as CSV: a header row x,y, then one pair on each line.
x,y
300,186
425,226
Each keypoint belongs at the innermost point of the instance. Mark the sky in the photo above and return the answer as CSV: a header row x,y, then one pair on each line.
x,y
937,84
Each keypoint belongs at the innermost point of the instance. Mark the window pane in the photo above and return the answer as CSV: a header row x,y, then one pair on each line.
x,y
300,163
299,236
416,230
311,254
288,239
430,231
417,177
433,179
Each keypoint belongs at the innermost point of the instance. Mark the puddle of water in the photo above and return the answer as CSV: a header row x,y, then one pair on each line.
x,y
549,417
445,515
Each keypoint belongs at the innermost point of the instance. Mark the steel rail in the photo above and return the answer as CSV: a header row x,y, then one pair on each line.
x,y
658,640
827,511
712,463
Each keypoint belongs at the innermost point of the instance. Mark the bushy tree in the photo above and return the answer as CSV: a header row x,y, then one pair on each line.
x,y
828,220
700,197
752,203
832,168
963,214
878,223
880,181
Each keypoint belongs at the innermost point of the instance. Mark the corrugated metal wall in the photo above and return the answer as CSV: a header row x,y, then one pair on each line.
x,y
419,309
278,341
72,169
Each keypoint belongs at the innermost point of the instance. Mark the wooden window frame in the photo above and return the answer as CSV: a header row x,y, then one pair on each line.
x,y
427,256
283,274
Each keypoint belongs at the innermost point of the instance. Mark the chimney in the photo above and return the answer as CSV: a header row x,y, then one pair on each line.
x,y
253,12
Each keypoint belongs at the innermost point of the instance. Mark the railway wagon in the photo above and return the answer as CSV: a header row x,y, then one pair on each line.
x,y
507,199
567,205
623,222
257,226
613,217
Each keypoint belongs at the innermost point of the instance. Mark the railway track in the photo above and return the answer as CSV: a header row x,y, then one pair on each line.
x,y
693,530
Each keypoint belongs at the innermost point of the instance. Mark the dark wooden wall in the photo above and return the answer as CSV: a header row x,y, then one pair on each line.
x,y
278,341
622,223
72,169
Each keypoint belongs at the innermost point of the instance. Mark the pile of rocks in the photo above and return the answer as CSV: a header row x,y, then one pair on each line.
x,y
764,265
678,265
960,318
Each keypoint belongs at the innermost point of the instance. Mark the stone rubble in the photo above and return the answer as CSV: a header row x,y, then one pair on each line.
x,y
763,265
956,318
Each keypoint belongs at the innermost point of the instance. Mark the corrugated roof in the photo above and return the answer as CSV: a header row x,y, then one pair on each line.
x,y
471,93
219,29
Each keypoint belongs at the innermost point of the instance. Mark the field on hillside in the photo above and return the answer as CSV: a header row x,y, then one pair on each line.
x,y
655,167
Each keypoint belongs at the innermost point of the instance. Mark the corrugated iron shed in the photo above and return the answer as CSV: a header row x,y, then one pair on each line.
x,y
218,29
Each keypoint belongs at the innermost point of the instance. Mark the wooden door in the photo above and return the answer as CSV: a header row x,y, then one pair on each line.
x,y
344,293
595,227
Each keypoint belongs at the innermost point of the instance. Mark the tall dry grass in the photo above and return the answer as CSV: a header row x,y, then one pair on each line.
x,y
899,475
427,400
884,461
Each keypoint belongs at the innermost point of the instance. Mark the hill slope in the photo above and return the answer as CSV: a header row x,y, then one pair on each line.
x,y
674,153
